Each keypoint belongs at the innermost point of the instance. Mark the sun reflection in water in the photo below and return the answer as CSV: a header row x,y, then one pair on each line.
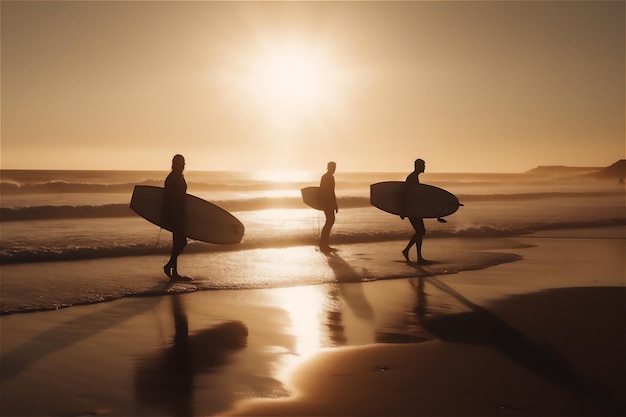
x,y
286,176
305,306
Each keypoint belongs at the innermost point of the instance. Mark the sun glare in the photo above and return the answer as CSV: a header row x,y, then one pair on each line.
x,y
291,79
305,308
286,176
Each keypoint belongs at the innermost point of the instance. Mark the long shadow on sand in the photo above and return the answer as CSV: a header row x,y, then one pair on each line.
x,y
71,332
479,326
350,286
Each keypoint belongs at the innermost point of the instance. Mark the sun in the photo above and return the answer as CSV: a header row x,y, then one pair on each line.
x,y
291,78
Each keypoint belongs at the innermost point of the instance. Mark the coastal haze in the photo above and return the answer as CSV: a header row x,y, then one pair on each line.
x,y
516,107
279,86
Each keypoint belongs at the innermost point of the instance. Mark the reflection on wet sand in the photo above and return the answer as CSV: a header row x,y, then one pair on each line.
x,y
70,333
350,285
317,312
440,312
348,291
479,326
165,381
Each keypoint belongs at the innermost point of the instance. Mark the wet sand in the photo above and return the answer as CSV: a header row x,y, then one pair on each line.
x,y
480,365
544,335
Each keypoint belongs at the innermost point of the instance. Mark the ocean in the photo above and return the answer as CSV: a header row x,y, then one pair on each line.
x,y
69,238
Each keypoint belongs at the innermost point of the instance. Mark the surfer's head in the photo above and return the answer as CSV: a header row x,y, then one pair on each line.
x,y
332,166
420,165
178,163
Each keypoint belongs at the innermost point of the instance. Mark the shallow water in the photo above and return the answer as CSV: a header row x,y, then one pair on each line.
x,y
69,238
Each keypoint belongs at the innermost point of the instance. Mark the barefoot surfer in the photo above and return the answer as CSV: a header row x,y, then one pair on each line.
x,y
329,205
174,210
416,222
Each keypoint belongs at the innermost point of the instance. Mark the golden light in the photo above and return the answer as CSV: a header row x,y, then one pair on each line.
x,y
287,176
289,93
291,79
305,306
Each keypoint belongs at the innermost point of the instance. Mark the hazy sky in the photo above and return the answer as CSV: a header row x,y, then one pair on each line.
x,y
469,86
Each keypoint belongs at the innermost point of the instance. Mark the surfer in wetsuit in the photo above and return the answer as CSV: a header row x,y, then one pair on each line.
x,y
174,211
416,222
328,201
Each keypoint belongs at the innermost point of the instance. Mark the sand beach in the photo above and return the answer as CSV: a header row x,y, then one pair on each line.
x,y
541,332
495,129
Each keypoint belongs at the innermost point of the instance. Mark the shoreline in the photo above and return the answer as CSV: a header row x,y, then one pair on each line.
x,y
543,351
262,268
409,346
477,365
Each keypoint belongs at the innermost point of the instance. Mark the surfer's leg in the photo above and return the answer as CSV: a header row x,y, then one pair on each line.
x,y
412,242
408,247
167,268
325,236
416,239
179,241
420,231
418,246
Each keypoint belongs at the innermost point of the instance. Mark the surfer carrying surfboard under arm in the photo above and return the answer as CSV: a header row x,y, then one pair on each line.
x,y
174,211
416,222
328,202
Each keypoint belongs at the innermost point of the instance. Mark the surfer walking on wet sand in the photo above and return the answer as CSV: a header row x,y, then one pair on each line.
x,y
174,212
416,222
328,202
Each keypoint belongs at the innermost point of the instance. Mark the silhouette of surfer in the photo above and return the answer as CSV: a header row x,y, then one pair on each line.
x,y
328,202
416,222
174,212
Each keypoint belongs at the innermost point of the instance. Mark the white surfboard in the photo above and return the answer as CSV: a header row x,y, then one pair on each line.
x,y
413,200
204,221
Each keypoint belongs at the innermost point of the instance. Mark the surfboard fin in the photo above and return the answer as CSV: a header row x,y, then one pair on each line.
x,y
441,220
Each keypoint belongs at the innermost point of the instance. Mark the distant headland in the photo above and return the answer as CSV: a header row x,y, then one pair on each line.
x,y
616,171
